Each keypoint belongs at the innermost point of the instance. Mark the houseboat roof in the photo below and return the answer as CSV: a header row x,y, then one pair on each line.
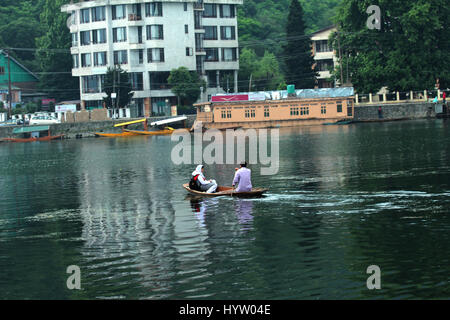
x,y
323,93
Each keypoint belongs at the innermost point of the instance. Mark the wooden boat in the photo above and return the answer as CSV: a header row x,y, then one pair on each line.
x,y
227,191
115,135
33,133
165,131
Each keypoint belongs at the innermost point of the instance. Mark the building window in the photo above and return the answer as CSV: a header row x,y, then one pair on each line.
x,y
159,80
212,54
85,37
304,111
98,14
75,63
229,114
141,56
186,29
228,33
266,112
74,39
294,111
84,16
210,33
91,84
189,51
99,36
155,55
322,46
247,113
229,54
85,60
339,106
224,114
227,11
120,57
185,6
100,59
119,12
253,113
120,34
210,11
153,9
155,32
137,81
324,65
323,109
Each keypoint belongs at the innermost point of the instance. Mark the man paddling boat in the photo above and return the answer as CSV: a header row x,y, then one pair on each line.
x,y
243,178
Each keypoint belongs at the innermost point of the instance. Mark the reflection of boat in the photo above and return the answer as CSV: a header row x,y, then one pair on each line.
x,y
34,133
228,191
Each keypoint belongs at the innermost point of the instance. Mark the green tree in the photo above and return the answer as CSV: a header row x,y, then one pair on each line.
x,y
117,81
186,85
299,60
53,53
409,52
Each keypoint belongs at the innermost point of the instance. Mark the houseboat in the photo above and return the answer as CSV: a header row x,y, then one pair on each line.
x,y
277,109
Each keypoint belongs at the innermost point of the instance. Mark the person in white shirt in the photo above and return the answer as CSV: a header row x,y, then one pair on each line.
x,y
210,186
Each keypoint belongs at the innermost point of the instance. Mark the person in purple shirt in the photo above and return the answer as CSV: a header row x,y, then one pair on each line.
x,y
243,179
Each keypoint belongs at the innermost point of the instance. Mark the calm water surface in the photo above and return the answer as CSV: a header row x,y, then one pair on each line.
x,y
345,198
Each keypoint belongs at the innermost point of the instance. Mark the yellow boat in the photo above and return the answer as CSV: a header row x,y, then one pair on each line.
x,y
115,135
166,131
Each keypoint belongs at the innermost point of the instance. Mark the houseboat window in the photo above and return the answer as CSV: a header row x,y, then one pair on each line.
x,y
304,111
294,111
247,113
349,110
339,106
253,113
229,114
323,110
224,114
266,112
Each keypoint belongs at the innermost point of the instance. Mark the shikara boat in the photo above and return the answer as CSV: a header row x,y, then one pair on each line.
x,y
33,133
124,132
165,131
227,191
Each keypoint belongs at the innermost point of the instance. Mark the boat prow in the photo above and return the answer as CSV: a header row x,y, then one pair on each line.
x,y
228,191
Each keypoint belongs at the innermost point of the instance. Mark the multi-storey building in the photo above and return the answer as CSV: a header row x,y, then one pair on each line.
x,y
148,39
324,56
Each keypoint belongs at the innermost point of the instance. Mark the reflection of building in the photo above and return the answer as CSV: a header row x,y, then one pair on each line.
x,y
324,56
272,109
148,40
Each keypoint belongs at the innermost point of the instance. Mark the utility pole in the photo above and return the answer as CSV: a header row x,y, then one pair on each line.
x,y
250,83
9,84
118,94
340,59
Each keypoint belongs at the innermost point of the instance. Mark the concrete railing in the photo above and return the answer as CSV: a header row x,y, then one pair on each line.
x,y
398,97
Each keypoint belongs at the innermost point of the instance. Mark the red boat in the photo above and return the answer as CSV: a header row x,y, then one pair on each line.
x,y
33,133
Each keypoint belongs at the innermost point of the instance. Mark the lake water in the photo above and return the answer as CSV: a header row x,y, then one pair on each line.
x,y
345,198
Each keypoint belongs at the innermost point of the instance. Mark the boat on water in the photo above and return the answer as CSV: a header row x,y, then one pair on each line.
x,y
228,191
158,125
33,133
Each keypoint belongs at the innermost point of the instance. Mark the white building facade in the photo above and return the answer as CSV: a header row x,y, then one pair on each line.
x,y
324,56
148,39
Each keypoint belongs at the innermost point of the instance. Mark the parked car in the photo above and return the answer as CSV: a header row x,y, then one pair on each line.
x,y
22,122
43,120
10,122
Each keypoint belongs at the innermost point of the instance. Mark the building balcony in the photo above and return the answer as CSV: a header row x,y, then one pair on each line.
x,y
199,6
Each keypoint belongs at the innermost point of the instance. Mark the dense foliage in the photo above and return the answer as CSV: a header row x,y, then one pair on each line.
x,y
410,52
186,85
117,81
